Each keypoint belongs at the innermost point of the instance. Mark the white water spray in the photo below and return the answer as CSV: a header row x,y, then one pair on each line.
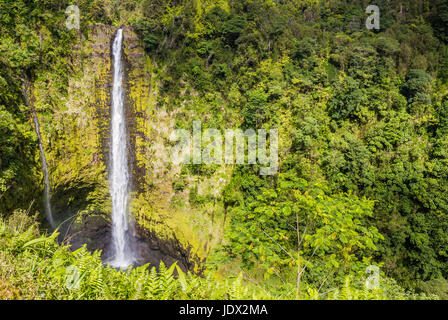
x,y
119,174
43,160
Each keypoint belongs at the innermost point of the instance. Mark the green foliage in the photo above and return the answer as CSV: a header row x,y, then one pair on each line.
x,y
34,266
363,125
439,21
17,158
296,223
436,287
416,87
233,28
349,101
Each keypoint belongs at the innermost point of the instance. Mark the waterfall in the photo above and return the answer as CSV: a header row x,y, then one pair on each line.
x,y
119,171
43,160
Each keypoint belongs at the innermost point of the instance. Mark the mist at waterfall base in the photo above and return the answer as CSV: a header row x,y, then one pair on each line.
x,y
122,228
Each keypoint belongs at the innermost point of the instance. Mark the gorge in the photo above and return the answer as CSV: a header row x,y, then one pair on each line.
x,y
100,207
352,126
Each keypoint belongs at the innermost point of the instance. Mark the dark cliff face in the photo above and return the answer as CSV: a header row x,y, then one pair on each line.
x,y
95,233
139,87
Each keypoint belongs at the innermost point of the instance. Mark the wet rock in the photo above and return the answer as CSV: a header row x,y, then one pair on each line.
x,y
95,233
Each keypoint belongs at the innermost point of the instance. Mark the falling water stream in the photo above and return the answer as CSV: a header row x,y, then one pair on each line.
x,y
43,160
125,249
122,227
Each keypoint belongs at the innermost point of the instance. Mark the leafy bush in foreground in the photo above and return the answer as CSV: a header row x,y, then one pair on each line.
x,y
34,266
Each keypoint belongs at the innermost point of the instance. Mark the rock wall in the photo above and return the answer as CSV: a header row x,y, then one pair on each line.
x,y
76,129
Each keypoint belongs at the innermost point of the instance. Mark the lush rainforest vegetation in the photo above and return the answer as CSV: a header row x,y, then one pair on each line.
x,y
363,136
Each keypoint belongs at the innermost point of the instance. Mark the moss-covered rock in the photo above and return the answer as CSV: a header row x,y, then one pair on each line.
x,y
76,136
